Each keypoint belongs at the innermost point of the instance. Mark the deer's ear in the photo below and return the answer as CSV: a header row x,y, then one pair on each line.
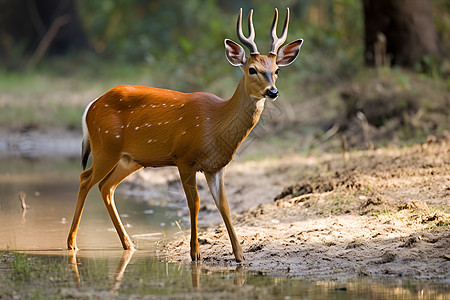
x,y
234,53
289,53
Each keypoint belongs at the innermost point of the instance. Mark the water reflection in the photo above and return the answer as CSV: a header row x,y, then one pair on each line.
x,y
152,268
141,273
118,273
120,269
196,270
239,274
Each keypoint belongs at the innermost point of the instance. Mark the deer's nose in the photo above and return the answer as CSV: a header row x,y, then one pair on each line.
x,y
272,93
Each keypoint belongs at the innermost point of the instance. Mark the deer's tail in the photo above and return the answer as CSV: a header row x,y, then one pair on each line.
x,y
86,144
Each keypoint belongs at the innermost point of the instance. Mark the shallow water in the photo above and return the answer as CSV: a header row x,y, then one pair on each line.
x,y
51,189
125,274
102,269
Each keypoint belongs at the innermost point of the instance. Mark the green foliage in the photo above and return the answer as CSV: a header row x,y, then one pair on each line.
x,y
146,31
181,41
177,40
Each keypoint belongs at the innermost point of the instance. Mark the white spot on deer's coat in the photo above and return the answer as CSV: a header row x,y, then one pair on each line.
x,y
106,105
167,122
117,136
197,125
149,125
122,126
137,128
184,132
182,105
180,118
149,141
132,111
119,111
106,131
159,123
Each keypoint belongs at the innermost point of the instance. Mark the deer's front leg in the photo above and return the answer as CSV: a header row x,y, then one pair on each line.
x,y
189,182
217,187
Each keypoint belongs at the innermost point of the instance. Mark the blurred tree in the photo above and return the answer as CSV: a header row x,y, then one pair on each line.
x,y
39,27
401,32
232,6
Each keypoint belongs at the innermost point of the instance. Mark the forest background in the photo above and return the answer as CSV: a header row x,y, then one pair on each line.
x,y
56,56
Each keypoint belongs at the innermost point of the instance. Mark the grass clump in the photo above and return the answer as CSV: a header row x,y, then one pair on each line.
x,y
26,276
21,267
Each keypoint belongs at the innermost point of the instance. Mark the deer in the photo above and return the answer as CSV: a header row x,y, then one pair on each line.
x,y
133,127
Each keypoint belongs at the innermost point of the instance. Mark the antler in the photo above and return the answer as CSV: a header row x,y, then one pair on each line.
x,y
277,42
250,41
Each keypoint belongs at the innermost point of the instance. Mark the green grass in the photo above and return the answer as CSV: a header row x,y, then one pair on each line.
x,y
25,276
21,267
43,277
35,117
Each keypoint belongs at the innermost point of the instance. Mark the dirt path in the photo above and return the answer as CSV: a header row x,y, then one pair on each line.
x,y
384,212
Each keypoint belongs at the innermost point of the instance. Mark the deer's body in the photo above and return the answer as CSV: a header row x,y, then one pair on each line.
x,y
131,127
182,129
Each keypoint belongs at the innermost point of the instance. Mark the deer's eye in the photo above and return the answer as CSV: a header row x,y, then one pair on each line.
x,y
251,71
276,72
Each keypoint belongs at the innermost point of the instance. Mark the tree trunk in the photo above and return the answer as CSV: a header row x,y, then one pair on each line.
x,y
70,35
45,26
399,32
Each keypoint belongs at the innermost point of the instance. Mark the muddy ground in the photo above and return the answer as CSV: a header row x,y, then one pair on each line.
x,y
381,212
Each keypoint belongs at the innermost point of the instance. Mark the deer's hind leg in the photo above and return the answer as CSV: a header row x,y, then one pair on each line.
x,y
107,187
85,186
101,167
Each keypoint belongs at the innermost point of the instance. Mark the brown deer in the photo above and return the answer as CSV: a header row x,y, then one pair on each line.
x,y
132,127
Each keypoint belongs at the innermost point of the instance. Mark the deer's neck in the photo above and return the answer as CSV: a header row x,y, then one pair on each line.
x,y
237,117
242,111
243,106
240,114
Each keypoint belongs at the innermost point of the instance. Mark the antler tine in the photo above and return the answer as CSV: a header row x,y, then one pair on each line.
x,y
277,42
273,29
250,41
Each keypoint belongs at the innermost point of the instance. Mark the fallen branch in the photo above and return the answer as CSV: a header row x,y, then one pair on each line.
x,y
298,198
24,205
22,197
47,39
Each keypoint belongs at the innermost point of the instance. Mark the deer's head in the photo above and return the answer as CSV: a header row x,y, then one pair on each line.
x,y
261,71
